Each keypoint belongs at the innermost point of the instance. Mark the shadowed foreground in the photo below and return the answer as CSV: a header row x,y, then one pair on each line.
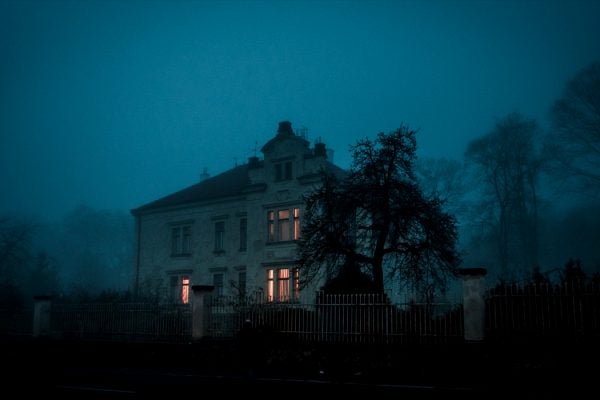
x,y
74,369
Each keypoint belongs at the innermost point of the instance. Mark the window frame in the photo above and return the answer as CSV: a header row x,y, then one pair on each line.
x,y
243,234
275,224
284,171
181,240
283,284
180,288
219,244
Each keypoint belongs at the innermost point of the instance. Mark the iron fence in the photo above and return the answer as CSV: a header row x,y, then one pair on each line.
x,y
123,321
352,318
566,310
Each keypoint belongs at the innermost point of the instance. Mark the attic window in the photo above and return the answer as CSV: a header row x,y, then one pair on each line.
x,y
283,171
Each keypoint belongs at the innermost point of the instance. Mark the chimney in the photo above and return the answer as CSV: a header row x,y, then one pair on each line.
x,y
285,129
320,150
253,162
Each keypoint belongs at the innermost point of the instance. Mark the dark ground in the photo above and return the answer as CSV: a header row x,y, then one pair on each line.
x,y
102,369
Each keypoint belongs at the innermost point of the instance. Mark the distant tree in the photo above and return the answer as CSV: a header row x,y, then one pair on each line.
x,y
378,218
573,273
574,145
15,256
537,278
444,179
507,165
96,249
43,277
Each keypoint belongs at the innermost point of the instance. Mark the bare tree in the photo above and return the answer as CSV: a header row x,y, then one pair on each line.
x,y
507,165
378,218
574,145
15,256
445,179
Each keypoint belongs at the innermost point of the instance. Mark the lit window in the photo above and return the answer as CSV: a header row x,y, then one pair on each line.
x,y
180,289
283,284
181,240
285,227
279,284
185,290
219,236
270,285
296,223
243,234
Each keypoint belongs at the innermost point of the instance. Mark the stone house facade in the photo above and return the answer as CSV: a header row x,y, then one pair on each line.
x,y
237,230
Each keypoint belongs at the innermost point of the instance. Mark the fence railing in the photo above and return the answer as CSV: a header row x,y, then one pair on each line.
x,y
566,310
354,318
125,321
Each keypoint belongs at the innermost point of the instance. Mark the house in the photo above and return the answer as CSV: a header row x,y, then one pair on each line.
x,y
237,231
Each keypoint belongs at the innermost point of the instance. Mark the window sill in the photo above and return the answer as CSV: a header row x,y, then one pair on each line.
x,y
218,252
282,242
181,255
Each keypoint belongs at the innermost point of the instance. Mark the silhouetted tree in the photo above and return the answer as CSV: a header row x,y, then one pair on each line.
x,y
573,273
575,140
377,217
15,254
43,278
507,165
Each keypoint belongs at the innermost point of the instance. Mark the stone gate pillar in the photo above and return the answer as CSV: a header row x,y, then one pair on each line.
x,y
473,303
200,295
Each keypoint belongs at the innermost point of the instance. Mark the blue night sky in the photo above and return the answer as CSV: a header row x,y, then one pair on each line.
x,y
116,103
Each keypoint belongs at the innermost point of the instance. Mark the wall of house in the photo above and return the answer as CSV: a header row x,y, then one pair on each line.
x,y
157,266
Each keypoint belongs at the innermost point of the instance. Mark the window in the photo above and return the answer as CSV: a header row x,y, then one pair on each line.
x,y
218,284
283,284
296,282
283,171
271,226
185,290
288,171
280,284
283,223
181,240
243,234
219,236
286,227
242,283
296,223
180,289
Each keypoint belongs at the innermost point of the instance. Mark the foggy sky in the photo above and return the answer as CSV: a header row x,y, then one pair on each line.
x,y
116,103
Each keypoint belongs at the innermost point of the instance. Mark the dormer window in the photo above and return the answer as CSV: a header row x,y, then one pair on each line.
x,y
283,171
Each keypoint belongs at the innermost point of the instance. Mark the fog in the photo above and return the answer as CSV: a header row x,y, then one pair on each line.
x,y
109,105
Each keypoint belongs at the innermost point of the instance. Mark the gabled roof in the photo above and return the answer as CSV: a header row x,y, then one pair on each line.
x,y
229,183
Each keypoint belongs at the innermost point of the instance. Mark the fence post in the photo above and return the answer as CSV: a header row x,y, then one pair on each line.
x,y
473,303
41,315
200,310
